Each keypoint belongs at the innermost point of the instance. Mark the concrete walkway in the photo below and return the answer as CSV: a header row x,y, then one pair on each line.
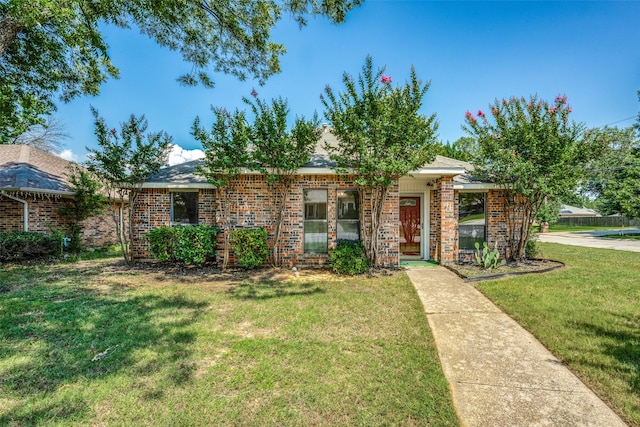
x,y
499,374
593,239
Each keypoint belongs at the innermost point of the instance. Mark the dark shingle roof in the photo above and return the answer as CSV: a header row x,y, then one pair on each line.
x,y
30,169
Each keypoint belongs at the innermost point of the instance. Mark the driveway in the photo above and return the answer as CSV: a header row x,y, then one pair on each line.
x,y
594,239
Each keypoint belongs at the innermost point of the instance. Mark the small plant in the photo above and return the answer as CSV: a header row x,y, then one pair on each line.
x,y
250,246
488,258
190,244
348,258
532,250
26,246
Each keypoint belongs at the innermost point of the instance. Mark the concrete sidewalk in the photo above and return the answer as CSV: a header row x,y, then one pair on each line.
x,y
499,374
593,239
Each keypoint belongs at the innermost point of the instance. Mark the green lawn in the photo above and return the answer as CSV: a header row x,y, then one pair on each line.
x,y
94,343
588,315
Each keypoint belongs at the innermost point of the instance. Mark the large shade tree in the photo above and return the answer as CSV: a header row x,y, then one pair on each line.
x,y
531,150
56,47
382,136
614,177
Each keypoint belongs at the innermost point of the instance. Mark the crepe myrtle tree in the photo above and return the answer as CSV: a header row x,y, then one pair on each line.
x,y
226,147
123,162
530,149
381,136
279,151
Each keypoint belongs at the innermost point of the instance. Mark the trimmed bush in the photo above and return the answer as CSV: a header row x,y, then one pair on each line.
x,y
188,244
27,246
250,246
348,258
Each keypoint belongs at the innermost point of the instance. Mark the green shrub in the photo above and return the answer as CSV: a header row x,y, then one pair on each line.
x,y
348,258
250,246
27,246
188,244
532,250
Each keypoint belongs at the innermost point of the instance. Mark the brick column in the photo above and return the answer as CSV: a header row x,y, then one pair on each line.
x,y
448,221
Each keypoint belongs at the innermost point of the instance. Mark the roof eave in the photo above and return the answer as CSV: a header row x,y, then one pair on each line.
x,y
37,190
476,186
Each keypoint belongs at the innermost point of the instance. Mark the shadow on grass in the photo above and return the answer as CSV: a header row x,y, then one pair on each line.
x,y
621,341
272,289
54,335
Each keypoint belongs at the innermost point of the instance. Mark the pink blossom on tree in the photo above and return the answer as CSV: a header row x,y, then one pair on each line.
x,y
386,79
113,131
480,113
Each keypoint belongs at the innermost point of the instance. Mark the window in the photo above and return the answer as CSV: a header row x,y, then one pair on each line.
x,y
315,221
471,220
348,215
184,208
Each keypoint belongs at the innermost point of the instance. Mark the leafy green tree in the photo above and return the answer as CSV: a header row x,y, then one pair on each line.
x,y
278,153
531,150
123,162
87,201
50,48
381,137
614,177
463,148
226,147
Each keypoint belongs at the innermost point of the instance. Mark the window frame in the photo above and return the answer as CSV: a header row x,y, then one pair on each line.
x,y
355,220
173,193
308,221
461,224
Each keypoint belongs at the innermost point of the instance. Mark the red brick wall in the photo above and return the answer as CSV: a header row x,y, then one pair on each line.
x,y
443,227
43,217
251,201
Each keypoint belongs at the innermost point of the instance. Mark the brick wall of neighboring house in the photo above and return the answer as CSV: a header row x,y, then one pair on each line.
x,y
250,200
43,217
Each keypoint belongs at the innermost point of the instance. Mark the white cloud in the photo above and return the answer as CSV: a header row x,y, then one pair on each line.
x,y
69,155
180,155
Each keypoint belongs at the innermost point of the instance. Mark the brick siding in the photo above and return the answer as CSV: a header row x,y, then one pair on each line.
x,y
251,207
43,218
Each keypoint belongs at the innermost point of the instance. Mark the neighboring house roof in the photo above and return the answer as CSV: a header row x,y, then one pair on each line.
x,y
28,169
568,211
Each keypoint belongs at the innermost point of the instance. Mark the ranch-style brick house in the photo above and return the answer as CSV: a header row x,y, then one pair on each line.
x,y
33,186
437,212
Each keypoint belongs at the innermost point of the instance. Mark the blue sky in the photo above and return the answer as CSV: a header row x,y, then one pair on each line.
x,y
472,52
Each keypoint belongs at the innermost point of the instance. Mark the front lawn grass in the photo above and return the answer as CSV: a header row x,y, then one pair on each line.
x,y
95,343
588,315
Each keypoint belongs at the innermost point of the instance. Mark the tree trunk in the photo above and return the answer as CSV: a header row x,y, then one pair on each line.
x,y
378,196
281,204
9,30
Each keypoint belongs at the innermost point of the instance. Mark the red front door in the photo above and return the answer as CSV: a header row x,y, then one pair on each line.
x,y
410,226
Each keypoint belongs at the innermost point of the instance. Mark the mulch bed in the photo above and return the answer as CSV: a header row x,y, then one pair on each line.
x,y
474,273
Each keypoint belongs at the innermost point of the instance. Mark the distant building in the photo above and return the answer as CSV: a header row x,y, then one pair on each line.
x,y
567,211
